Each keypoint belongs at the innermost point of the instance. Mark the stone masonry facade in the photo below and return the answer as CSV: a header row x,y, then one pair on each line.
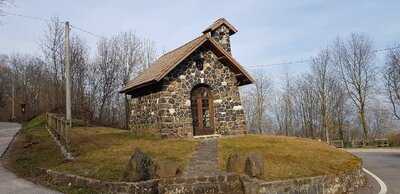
x,y
221,35
166,109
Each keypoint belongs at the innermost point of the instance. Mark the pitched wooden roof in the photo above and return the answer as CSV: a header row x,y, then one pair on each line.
x,y
218,23
167,62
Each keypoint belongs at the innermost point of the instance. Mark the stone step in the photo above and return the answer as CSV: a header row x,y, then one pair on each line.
x,y
213,136
204,161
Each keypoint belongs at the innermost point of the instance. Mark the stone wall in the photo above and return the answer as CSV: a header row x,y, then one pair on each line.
x,y
65,180
145,113
229,183
347,182
202,67
168,108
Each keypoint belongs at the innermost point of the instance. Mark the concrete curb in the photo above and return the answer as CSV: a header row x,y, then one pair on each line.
x,y
381,183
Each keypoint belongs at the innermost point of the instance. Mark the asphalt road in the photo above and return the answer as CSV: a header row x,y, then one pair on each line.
x,y
9,183
384,163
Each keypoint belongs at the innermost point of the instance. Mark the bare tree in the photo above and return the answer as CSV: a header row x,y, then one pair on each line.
x,y
27,77
52,47
320,68
108,72
379,118
306,102
283,109
355,60
132,55
256,103
337,107
79,70
3,3
119,59
392,79
149,53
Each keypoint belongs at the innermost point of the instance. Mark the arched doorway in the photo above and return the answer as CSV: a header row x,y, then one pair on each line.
x,y
202,111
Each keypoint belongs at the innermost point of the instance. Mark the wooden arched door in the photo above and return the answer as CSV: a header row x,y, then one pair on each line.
x,y
202,111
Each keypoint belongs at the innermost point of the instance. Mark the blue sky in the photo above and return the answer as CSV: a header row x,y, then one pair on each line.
x,y
269,31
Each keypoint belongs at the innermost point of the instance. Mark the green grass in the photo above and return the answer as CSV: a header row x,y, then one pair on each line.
x,y
37,122
289,157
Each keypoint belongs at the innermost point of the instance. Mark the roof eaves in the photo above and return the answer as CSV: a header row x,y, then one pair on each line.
x,y
230,58
137,86
219,22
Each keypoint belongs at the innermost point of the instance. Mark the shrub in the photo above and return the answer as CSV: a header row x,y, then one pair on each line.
x,y
394,139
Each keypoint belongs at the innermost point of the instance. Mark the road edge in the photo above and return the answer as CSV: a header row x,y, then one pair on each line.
x,y
11,142
381,183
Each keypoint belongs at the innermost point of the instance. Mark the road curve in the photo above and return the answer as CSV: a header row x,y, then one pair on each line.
x,y
384,163
9,182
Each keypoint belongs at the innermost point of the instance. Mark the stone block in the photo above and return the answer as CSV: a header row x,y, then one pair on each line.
x,y
235,163
140,167
254,166
167,169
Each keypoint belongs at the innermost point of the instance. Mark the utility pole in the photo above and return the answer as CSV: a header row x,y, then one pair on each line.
x,y
67,73
12,98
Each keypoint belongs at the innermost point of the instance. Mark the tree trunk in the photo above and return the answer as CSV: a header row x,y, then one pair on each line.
x,y
363,123
127,112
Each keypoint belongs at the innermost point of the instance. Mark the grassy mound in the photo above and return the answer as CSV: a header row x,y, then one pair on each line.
x,y
101,152
289,157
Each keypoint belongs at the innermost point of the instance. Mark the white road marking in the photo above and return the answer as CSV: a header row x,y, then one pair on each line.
x,y
374,150
381,183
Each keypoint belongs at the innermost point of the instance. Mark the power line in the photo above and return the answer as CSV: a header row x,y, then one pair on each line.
x,y
386,49
87,32
309,60
47,21
250,66
281,63
27,16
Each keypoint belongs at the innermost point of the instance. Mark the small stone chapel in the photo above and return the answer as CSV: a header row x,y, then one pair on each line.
x,y
192,90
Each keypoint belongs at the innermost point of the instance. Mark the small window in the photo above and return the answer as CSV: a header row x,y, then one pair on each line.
x,y
199,60
199,65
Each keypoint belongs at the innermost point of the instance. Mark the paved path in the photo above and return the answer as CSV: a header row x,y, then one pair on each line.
x,y
384,163
9,183
204,161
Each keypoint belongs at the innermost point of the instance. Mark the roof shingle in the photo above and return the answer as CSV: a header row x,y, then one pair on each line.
x,y
168,61
163,64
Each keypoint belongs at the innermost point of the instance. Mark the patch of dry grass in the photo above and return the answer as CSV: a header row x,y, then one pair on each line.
x,y
32,149
101,152
289,157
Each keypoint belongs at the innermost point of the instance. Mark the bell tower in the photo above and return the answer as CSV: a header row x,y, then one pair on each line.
x,y
220,31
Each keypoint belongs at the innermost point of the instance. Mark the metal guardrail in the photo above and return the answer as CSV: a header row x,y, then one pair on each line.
x,y
383,142
59,127
357,143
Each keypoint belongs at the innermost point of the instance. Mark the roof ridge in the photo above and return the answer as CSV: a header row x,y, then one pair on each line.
x,y
182,45
168,61
219,22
